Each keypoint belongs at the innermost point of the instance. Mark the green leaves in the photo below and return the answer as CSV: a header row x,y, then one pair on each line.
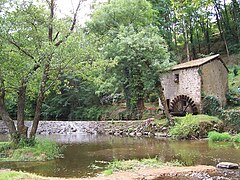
x,y
110,16
128,36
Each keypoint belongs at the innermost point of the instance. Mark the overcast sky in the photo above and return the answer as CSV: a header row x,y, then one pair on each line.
x,y
65,7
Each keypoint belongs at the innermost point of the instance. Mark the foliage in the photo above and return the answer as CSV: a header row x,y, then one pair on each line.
x,y
216,136
231,118
74,99
233,96
41,151
236,138
232,101
128,36
193,126
211,106
123,165
5,146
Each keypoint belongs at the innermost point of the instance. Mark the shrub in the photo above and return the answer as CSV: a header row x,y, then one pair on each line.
x,y
211,106
185,129
40,151
232,118
153,97
4,146
236,138
49,148
231,100
193,126
216,136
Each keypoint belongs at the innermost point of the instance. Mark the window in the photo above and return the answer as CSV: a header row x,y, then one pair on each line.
x,y
176,78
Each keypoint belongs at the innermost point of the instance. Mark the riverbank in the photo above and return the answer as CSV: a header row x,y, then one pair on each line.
x,y
140,128
194,172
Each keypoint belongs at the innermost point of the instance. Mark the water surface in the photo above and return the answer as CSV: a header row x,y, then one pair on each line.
x,y
83,150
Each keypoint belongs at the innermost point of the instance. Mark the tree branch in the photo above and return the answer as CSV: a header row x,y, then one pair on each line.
x,y
20,48
56,36
74,20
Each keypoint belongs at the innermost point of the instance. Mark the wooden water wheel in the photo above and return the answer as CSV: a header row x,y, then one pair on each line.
x,y
181,105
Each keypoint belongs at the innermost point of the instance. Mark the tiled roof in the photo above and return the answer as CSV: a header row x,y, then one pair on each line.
x,y
194,63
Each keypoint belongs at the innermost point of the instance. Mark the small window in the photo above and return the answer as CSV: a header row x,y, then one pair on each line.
x,y
176,78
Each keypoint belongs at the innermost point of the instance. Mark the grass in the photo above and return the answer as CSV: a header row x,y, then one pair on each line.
x,y
216,136
41,151
10,175
200,118
124,165
192,126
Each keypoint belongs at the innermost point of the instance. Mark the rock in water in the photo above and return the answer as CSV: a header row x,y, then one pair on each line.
x,y
227,165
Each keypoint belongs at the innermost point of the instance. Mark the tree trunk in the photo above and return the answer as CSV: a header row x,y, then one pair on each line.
x,y
22,129
6,117
198,40
40,99
186,41
192,43
208,38
220,28
236,19
139,88
140,104
126,88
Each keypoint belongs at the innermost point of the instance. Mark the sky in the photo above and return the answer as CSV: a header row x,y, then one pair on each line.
x,y
65,7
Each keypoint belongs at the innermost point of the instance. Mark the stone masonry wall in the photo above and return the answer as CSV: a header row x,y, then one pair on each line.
x,y
214,80
189,84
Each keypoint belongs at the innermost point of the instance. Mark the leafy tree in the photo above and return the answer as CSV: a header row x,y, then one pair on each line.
x,y
128,36
31,38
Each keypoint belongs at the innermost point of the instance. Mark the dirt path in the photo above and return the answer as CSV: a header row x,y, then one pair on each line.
x,y
140,174
153,173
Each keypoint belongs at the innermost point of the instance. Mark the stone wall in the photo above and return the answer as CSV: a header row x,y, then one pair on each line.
x,y
116,128
189,84
215,80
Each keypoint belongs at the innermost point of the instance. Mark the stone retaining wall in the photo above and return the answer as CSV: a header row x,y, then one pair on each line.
x,y
116,128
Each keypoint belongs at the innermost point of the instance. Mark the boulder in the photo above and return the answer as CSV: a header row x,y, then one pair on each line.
x,y
132,134
160,134
138,134
227,165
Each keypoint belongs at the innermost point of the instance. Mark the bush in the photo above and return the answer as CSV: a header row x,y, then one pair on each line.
x,y
216,136
194,126
153,97
41,151
232,118
185,129
231,100
236,138
211,106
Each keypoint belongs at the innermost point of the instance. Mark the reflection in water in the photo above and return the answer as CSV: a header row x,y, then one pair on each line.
x,y
81,151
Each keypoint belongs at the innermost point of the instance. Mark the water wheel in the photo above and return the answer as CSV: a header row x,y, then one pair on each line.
x,y
181,105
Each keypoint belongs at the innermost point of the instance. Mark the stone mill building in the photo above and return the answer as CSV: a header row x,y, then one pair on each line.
x,y
187,83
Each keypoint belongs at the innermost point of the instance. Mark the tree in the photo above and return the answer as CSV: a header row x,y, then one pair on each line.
x,y
31,38
128,36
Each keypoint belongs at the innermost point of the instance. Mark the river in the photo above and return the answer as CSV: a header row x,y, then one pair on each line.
x,y
83,153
